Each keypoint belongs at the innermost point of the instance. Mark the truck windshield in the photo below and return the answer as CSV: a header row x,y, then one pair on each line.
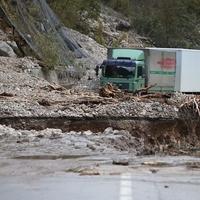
x,y
117,71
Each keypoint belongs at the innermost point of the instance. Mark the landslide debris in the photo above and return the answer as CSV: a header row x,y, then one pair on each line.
x,y
32,96
86,141
109,141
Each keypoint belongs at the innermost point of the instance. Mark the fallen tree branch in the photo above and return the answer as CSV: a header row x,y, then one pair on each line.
x,y
197,107
144,90
110,91
5,94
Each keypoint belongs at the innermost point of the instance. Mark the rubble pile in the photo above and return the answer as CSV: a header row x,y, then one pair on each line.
x,y
24,94
86,142
108,141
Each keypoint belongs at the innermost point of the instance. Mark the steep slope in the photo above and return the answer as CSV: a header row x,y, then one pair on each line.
x,y
72,55
42,31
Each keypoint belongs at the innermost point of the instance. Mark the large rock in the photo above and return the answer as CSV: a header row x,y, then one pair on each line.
x,y
123,25
6,50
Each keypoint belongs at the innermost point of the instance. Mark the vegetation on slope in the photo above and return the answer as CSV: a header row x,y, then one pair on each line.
x,y
168,23
74,12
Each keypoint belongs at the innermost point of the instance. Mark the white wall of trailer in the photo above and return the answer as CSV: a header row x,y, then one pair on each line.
x,y
190,71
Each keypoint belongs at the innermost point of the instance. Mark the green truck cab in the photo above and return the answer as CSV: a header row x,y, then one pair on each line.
x,y
124,68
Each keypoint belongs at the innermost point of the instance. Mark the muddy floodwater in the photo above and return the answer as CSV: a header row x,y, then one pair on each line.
x,y
105,163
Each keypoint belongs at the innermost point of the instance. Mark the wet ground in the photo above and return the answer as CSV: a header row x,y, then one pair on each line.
x,y
125,183
50,164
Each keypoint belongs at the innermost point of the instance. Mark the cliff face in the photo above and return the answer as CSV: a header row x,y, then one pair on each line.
x,y
69,57
31,28
40,28
113,29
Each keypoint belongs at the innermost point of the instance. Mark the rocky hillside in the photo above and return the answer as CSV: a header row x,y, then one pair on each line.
x,y
112,29
108,29
107,26
159,20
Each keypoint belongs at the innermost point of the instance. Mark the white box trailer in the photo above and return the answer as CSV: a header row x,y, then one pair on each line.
x,y
173,69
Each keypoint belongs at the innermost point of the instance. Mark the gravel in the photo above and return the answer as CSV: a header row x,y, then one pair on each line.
x,y
31,96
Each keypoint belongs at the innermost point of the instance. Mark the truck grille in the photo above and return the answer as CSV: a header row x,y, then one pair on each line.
x,y
122,85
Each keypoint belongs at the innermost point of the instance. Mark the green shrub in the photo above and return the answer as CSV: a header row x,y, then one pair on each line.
x,y
73,13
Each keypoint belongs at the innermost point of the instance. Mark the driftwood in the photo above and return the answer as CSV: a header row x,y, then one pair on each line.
x,y
5,94
192,105
53,87
110,91
44,102
196,106
144,90
156,95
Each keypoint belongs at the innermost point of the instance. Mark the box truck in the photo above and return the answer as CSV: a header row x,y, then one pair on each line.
x,y
165,69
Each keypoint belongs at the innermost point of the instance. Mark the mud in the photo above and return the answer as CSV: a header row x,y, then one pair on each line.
x,y
137,146
184,126
165,136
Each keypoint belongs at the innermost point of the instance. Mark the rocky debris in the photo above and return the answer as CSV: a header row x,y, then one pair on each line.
x,y
84,171
179,98
31,96
6,50
121,161
109,141
70,141
8,47
15,48
123,25
113,29
156,164
96,52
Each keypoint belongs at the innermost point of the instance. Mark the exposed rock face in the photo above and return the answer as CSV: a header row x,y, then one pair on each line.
x,y
96,54
113,29
95,51
123,26
6,50
42,31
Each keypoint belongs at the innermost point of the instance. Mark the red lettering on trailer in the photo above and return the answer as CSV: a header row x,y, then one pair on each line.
x,y
167,63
